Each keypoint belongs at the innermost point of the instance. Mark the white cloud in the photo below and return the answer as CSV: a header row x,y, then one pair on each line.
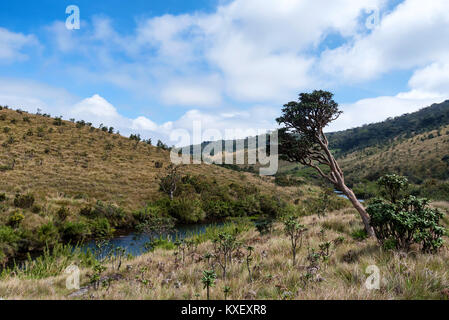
x,y
12,44
413,35
258,53
97,107
378,109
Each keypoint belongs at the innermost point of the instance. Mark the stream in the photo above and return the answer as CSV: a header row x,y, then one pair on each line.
x,y
135,243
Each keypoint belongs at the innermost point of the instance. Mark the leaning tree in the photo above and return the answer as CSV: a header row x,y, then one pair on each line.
x,y
302,139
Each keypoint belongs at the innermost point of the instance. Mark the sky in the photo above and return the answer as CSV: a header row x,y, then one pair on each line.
x,y
155,67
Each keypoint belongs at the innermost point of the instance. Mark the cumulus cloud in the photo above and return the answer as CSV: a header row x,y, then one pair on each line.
x,y
414,34
378,109
12,44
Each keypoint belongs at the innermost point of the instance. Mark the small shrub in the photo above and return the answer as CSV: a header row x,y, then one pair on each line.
x,y
359,234
23,201
158,164
101,228
75,231
15,219
63,213
186,210
36,209
48,235
3,197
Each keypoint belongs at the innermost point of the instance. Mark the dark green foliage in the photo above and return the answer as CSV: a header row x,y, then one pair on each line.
x,y
24,201
3,197
264,226
392,186
406,221
74,231
208,280
101,228
48,235
58,121
162,145
186,210
359,234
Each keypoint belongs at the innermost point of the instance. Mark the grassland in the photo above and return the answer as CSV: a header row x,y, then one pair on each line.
x,y
159,275
66,167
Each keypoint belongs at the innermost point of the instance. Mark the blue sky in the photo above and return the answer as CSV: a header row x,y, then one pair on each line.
x,y
156,66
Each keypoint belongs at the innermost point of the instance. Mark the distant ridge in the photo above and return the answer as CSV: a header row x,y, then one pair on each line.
x,y
426,119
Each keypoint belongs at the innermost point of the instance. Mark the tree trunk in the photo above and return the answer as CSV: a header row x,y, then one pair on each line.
x,y
360,208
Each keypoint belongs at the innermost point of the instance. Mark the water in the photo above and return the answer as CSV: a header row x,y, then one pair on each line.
x,y
135,244
342,195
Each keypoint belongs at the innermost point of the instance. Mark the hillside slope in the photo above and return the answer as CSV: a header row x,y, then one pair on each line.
x,y
424,120
68,181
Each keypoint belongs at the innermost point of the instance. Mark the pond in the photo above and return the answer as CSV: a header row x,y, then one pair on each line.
x,y
136,244
342,195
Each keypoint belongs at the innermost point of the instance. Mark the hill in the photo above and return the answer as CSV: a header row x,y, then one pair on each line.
x,y
68,181
407,125
415,145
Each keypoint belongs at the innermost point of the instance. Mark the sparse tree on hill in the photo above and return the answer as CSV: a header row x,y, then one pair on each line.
x,y
302,140
169,182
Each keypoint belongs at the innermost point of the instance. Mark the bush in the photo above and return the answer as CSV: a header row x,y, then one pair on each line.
x,y
75,231
23,201
3,197
48,235
101,228
113,213
15,219
186,210
36,209
63,213
406,221
264,226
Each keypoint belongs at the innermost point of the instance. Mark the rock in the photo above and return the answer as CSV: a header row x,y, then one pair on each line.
x,y
79,293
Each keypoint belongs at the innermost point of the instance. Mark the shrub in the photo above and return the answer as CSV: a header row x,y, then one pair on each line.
x,y
15,219
3,197
36,209
86,211
75,231
264,226
58,121
113,213
101,228
48,235
63,213
158,164
24,201
406,221
359,234
8,235
186,210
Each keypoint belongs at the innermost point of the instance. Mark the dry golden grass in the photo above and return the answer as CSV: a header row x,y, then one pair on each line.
x,y
417,155
411,275
70,166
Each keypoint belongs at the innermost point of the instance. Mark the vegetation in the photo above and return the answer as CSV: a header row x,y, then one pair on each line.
x,y
302,140
400,221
